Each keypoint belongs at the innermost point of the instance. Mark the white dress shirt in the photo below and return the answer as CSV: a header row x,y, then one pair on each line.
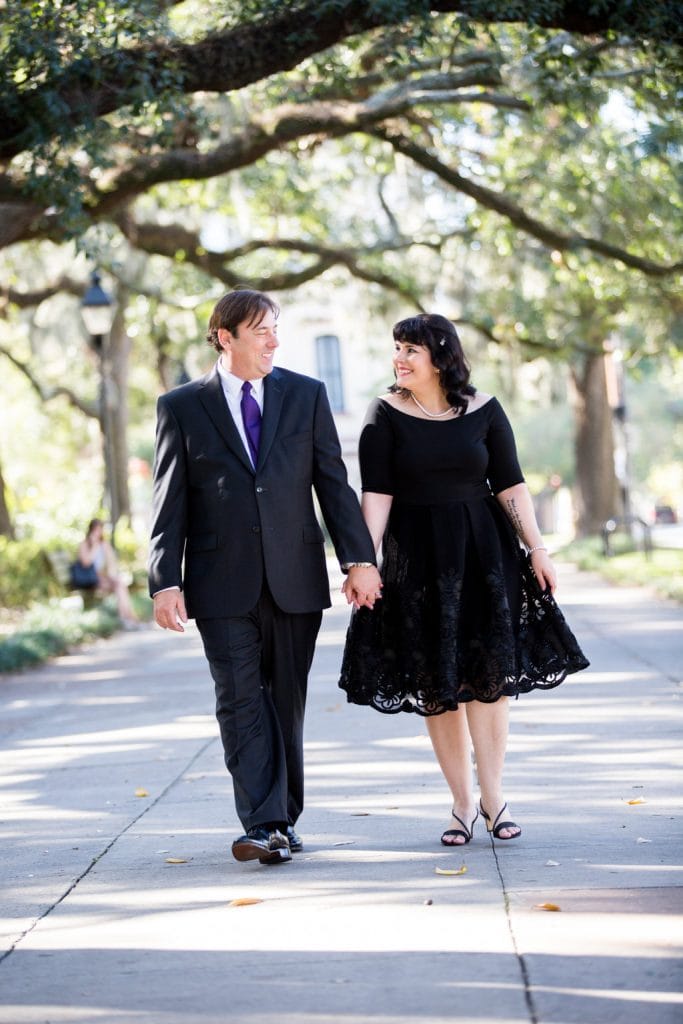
x,y
232,389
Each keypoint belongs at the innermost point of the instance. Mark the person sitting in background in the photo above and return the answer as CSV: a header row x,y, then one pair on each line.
x,y
97,552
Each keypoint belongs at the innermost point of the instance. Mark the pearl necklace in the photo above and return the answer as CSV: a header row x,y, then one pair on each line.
x,y
433,415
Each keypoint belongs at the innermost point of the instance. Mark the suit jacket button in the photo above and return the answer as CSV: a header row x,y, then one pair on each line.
x,y
259,490
256,529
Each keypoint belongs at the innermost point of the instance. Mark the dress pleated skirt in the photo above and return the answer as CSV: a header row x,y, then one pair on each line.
x,y
461,616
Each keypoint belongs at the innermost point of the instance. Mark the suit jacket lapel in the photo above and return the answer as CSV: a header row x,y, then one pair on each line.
x,y
212,398
273,397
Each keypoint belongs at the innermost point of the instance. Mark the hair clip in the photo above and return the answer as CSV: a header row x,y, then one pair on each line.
x,y
442,342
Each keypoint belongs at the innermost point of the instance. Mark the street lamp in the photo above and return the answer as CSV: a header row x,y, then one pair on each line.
x,y
615,381
97,310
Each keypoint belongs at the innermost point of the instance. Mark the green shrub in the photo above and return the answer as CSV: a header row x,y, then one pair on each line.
x,y
25,574
53,628
662,570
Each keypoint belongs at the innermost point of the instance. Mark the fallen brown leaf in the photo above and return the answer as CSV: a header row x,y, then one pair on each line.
x,y
245,901
176,860
451,871
547,906
141,792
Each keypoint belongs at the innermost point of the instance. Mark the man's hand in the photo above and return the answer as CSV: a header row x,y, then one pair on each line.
x,y
363,586
169,610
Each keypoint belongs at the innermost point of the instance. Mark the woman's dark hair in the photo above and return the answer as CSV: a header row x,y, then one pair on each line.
x,y
238,307
92,524
440,338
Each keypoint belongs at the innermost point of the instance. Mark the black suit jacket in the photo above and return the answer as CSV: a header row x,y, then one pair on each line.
x,y
230,524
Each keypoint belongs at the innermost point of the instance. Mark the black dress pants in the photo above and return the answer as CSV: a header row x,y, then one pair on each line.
x,y
260,664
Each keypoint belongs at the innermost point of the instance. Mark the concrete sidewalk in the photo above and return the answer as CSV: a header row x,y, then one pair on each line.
x,y
119,890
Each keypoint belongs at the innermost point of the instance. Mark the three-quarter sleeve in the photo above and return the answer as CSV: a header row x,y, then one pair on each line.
x,y
376,451
503,468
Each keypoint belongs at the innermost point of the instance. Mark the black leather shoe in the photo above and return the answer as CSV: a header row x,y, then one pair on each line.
x,y
263,845
296,843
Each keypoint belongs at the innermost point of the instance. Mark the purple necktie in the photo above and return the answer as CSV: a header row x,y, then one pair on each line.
x,y
251,417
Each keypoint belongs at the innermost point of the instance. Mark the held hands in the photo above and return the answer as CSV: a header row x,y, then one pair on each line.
x,y
362,587
169,610
544,570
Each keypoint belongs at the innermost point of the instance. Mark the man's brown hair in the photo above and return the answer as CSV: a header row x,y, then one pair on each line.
x,y
238,307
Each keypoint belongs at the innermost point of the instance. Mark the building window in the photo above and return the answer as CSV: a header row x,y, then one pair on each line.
x,y
329,369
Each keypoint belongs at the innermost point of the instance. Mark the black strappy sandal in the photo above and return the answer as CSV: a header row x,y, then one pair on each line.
x,y
465,832
498,825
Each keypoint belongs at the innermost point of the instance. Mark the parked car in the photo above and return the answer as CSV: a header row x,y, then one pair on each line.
x,y
665,514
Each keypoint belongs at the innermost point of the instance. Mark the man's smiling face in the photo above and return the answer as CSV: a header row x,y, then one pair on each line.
x,y
248,353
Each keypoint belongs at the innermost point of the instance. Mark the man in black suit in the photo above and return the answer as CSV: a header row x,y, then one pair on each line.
x,y
239,453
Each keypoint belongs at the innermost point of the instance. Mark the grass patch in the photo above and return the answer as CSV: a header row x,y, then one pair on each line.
x,y
662,570
56,627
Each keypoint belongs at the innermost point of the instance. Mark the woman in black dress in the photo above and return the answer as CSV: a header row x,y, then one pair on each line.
x,y
467,618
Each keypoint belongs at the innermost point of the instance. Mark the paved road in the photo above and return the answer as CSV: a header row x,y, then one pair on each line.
x,y
668,535
111,770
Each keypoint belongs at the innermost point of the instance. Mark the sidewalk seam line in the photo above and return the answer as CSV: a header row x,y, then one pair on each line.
x,y
524,970
106,850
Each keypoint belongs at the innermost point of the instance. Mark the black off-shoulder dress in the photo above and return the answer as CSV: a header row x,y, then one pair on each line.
x,y
461,616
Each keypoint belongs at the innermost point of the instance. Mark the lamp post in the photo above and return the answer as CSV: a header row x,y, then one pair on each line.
x,y
615,379
97,310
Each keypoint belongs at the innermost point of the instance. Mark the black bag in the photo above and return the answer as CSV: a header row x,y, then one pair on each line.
x,y
83,577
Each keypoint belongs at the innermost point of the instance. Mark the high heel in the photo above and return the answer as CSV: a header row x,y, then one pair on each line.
x,y
498,825
465,832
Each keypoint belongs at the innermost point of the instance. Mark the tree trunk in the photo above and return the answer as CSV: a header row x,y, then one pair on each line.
x,y
597,489
6,525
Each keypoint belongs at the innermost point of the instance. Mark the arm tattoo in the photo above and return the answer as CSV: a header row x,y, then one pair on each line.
x,y
514,516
